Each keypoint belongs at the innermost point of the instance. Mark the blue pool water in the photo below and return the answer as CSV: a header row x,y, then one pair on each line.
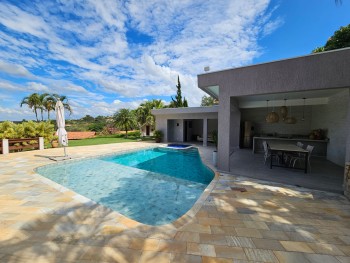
x,y
154,186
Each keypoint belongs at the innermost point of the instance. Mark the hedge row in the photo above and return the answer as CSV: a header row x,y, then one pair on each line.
x,y
30,129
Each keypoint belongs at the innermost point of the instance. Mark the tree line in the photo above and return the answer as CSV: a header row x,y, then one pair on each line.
x,y
45,102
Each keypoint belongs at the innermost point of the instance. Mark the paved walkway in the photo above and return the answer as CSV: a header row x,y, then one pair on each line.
x,y
236,220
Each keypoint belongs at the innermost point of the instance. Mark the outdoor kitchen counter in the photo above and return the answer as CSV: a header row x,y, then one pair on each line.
x,y
319,150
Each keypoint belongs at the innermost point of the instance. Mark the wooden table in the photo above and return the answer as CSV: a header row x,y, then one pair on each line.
x,y
287,148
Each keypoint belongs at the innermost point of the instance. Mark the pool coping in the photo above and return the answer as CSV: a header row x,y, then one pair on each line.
x,y
87,202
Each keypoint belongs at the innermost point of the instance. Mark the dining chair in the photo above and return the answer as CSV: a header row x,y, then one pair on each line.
x,y
291,155
309,148
267,152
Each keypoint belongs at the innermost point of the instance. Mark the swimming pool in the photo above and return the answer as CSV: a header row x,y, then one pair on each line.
x,y
153,186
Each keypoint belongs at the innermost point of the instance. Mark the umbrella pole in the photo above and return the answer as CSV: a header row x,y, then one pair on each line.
x,y
65,154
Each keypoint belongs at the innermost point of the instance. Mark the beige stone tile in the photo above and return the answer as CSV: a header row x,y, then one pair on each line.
x,y
144,244
197,228
230,252
201,249
317,258
296,246
183,258
240,241
213,239
326,249
231,222
172,246
215,260
228,230
248,232
277,235
260,255
209,221
187,237
118,241
151,256
267,244
291,257
256,225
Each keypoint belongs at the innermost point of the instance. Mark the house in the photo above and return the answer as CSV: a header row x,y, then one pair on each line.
x,y
314,88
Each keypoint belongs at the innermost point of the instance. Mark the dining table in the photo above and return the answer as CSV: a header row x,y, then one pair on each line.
x,y
277,148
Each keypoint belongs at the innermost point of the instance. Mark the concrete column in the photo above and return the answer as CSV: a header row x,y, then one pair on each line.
x,y
235,123
5,146
229,126
41,143
205,132
224,132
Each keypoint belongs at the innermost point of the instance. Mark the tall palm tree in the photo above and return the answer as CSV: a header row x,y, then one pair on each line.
x,y
49,104
33,102
125,119
41,105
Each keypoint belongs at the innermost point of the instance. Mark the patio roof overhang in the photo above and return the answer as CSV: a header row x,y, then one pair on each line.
x,y
314,72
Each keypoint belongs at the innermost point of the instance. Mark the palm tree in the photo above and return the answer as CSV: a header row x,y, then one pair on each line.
x,y
33,102
125,119
42,106
144,115
49,104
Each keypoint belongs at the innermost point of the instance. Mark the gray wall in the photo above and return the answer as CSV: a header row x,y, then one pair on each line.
x,y
212,126
333,117
261,127
176,130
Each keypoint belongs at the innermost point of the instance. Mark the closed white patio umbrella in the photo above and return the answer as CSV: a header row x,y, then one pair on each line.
x,y
61,123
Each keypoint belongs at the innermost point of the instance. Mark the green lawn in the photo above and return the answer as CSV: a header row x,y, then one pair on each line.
x,y
98,140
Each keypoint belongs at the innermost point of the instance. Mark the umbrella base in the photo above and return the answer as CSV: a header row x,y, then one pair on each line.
x,y
60,158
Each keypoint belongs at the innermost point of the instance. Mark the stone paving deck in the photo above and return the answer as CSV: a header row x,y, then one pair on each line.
x,y
268,222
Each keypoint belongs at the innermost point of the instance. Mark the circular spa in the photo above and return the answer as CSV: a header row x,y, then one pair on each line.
x,y
153,186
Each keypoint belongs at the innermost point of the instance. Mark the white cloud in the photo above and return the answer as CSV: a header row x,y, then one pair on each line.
x,y
15,70
37,87
81,49
4,85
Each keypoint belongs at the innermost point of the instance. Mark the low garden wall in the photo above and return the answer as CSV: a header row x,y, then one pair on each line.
x,y
18,145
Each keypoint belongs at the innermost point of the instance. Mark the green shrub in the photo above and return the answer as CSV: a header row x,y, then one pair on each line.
x,y
30,129
136,134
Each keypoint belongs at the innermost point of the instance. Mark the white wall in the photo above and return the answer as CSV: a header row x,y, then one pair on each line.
x,y
333,117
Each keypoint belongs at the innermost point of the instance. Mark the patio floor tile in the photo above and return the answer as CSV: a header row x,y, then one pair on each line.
x,y
268,223
297,246
291,257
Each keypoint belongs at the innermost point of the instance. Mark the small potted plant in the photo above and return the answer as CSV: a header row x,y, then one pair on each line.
x,y
158,135
54,141
214,136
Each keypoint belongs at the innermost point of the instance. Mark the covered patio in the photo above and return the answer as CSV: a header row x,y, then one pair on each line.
x,y
313,92
324,175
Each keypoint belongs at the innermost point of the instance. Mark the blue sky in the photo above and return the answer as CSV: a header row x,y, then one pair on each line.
x,y
106,55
